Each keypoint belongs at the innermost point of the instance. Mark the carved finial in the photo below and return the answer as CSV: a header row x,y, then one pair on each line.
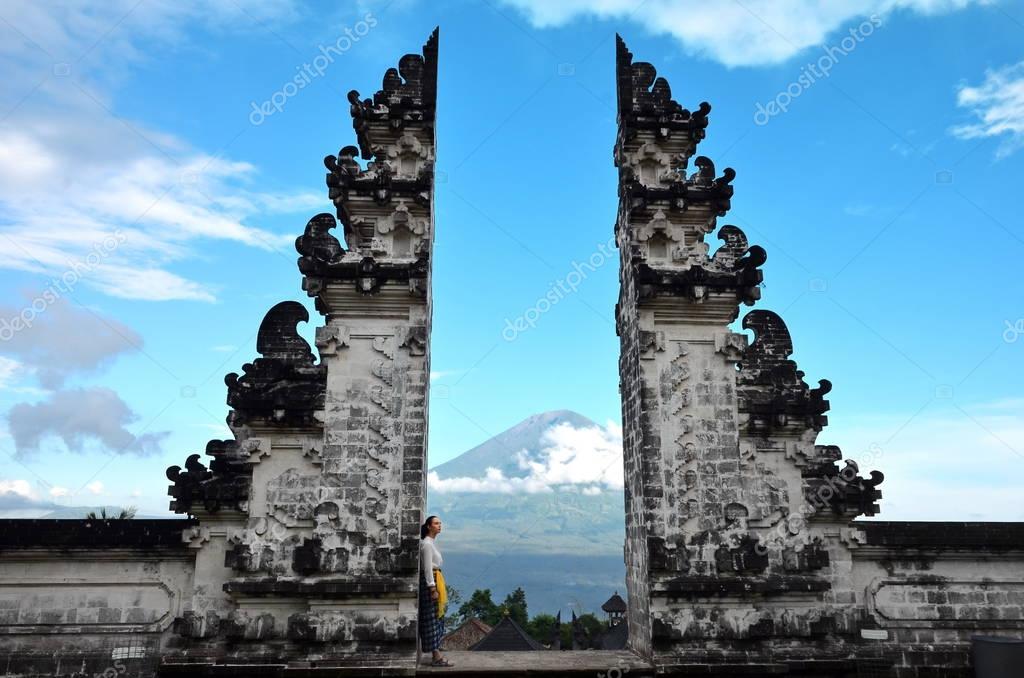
x,y
317,241
735,241
770,387
705,174
771,336
279,337
408,94
645,100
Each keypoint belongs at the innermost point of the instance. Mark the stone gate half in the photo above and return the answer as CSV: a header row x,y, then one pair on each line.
x,y
309,519
742,551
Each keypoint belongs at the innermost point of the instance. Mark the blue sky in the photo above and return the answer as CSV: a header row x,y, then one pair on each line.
x,y
886,195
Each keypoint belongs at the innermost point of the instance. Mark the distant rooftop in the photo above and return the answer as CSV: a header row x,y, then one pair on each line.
x,y
615,604
467,634
507,636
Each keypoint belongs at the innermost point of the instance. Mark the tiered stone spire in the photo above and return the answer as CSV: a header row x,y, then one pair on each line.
x,y
718,435
309,518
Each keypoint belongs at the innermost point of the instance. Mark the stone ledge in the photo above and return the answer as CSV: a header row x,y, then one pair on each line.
x,y
834,668
274,670
324,588
943,535
88,534
702,586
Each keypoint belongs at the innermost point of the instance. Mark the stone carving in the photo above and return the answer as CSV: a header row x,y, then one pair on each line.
x,y
224,486
292,496
284,385
408,94
771,389
317,243
645,101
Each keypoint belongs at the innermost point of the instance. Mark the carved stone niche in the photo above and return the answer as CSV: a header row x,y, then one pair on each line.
x,y
408,156
664,242
652,165
403,235
396,235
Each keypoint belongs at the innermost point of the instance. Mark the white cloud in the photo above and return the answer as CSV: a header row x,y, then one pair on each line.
x,y
493,481
57,491
589,459
18,487
748,33
19,500
96,487
124,213
77,178
579,456
998,104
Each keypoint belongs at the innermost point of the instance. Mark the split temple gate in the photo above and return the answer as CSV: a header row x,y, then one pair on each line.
x,y
297,552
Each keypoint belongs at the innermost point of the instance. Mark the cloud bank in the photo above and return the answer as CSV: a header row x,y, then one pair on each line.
x,y
17,496
59,342
740,33
62,340
89,194
78,416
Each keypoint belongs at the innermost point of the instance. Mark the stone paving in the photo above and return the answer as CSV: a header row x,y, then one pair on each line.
x,y
584,662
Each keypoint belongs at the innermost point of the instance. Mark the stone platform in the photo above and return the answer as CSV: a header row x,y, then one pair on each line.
x,y
568,663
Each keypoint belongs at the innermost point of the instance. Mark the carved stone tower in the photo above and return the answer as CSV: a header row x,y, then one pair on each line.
x,y
309,520
719,437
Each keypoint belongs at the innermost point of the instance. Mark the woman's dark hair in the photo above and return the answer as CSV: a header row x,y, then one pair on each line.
x,y
425,527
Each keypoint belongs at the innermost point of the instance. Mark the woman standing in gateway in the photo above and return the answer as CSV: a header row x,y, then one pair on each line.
x,y
433,595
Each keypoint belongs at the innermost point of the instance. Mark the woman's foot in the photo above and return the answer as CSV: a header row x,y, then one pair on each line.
x,y
442,661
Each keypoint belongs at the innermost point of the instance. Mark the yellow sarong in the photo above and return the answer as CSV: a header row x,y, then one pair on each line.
x,y
442,592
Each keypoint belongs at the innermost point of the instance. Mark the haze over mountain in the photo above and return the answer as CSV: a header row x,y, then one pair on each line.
x,y
539,505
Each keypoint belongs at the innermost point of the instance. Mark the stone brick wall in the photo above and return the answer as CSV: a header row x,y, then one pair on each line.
x,y
82,596
930,587
634,421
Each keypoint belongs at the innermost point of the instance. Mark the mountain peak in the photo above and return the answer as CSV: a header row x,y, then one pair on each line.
x,y
501,450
